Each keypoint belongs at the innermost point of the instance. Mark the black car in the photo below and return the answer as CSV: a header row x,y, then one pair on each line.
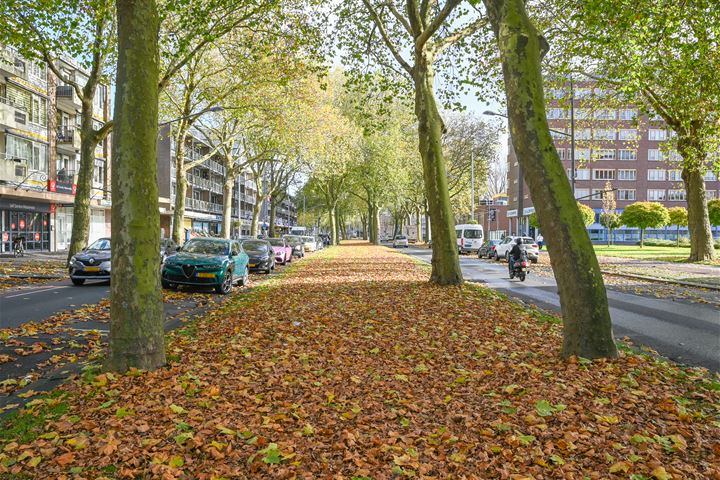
x,y
261,255
167,247
487,250
92,263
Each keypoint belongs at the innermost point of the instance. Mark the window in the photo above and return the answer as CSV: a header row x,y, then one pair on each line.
x,y
555,133
583,134
580,174
655,155
557,114
709,194
564,153
627,155
598,194
99,173
604,134
582,192
626,194
674,175
600,93
627,134
582,113
604,154
557,93
710,176
656,175
605,114
676,195
582,154
627,114
655,195
603,174
627,175
657,135
583,93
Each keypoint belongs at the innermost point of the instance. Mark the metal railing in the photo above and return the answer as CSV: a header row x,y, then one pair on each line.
x,y
9,102
65,135
64,91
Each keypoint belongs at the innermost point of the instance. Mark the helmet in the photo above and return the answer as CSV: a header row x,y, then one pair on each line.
x,y
518,241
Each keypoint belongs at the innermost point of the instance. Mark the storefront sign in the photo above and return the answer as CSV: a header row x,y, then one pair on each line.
x,y
512,213
60,186
37,236
24,206
6,236
22,224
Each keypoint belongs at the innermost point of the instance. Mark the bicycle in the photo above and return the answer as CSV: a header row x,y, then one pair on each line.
x,y
19,247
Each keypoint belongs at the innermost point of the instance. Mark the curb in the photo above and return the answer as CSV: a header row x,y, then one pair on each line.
x,y
663,280
32,275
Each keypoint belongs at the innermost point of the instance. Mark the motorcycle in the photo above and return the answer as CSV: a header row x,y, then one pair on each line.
x,y
19,247
520,268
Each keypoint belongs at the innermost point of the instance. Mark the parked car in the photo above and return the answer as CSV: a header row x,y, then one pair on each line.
x,y
487,250
400,241
297,245
469,237
261,255
92,263
283,251
213,262
528,244
310,245
167,247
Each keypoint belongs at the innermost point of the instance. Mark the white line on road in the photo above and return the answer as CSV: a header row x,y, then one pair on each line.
x,y
37,291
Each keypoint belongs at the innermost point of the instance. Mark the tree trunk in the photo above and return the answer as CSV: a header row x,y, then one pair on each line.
x,y
375,219
364,222
371,228
587,326
180,190
81,207
228,188
445,262
418,233
333,225
702,247
137,338
273,212
642,237
254,230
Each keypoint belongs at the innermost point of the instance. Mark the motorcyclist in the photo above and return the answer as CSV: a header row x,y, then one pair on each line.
x,y
515,254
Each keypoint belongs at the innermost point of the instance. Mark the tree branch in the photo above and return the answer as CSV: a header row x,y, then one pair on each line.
x,y
388,42
435,24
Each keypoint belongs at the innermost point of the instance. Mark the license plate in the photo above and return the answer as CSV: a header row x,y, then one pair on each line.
x,y
251,265
92,269
206,275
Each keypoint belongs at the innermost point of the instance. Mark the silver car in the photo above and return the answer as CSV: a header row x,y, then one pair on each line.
x,y
528,244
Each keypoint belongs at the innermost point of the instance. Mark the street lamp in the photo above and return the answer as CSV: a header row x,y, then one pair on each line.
x,y
192,115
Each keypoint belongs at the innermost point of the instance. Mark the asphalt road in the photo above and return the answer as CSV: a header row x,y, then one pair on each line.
x,y
681,331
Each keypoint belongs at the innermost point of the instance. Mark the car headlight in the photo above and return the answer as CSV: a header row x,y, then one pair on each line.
x,y
105,265
72,260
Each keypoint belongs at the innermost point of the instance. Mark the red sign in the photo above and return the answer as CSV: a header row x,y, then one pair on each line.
x,y
74,189
37,236
44,223
52,186
12,226
22,224
6,237
53,207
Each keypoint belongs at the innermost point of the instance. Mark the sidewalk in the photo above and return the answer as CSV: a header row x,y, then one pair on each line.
x,y
351,365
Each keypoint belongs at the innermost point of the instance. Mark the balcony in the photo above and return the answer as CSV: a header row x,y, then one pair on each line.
x,y
67,99
69,138
15,65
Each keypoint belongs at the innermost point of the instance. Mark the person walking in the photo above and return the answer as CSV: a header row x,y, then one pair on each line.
x,y
540,241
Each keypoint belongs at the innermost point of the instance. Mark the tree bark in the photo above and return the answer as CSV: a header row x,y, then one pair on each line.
x,y
256,216
375,220
136,337
228,187
180,190
587,326
702,247
445,262
333,225
273,212
81,207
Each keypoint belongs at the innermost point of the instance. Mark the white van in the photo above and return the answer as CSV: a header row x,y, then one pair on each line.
x,y
469,237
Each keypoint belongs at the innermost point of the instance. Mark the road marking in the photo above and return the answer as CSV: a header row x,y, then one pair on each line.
x,y
36,291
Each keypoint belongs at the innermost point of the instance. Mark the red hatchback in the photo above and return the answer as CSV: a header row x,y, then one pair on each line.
x,y
283,251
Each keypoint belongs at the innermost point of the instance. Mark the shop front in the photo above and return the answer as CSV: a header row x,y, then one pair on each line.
x,y
27,220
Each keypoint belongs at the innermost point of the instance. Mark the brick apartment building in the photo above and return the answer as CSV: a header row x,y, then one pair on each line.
x,y
614,144
40,154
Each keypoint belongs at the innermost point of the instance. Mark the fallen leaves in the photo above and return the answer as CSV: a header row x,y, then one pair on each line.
x,y
364,370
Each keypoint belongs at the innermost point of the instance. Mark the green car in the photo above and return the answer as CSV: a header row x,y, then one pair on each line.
x,y
212,262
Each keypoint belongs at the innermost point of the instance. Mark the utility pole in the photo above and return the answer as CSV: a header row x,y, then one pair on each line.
x,y
472,184
572,137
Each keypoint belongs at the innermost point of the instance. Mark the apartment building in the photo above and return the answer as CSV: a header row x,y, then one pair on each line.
x,y
39,154
615,145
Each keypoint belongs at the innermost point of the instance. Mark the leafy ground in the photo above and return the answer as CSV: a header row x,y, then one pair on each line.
x,y
352,366
11,266
668,254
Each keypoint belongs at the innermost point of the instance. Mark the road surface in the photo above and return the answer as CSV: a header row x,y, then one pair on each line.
x,y
685,332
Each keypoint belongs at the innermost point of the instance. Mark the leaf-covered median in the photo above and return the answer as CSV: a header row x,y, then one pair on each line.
x,y
353,366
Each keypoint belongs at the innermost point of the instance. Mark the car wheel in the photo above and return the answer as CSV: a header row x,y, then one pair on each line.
x,y
226,286
522,277
245,278
497,259
78,281
168,285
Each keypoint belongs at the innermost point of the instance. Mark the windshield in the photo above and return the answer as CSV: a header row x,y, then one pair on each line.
x,y
400,237
206,247
473,234
276,242
100,244
255,246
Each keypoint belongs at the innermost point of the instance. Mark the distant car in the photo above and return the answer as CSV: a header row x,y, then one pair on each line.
x,y
283,251
297,245
92,263
400,241
213,262
310,245
167,247
469,237
319,244
528,244
262,257
487,250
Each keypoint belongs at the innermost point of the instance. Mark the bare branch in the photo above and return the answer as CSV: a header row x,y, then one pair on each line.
x,y
435,24
388,42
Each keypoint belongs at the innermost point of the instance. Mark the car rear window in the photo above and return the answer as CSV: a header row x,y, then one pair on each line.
x,y
400,237
528,241
473,234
